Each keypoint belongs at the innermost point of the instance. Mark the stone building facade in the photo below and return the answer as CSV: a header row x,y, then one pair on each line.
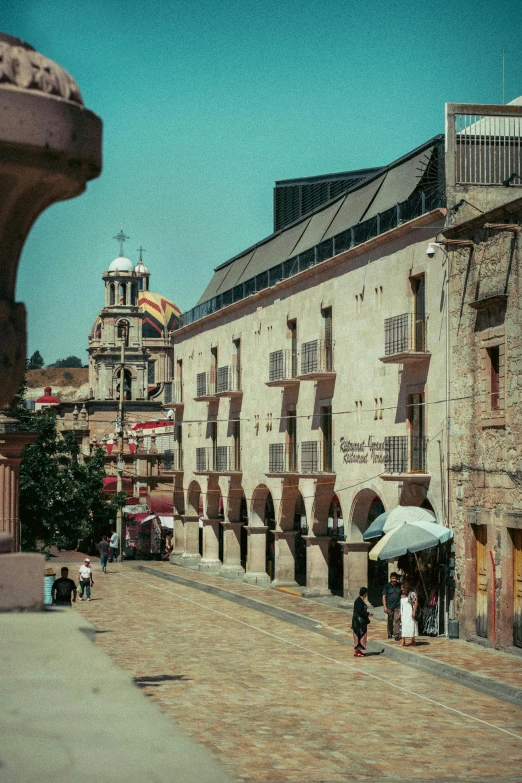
x,y
486,423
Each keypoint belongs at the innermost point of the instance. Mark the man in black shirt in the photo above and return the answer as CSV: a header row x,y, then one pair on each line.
x,y
63,588
103,548
391,600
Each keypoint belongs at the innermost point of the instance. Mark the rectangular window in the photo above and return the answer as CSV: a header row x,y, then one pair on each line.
x,y
291,429
237,444
213,370
494,377
326,426
419,312
417,433
292,326
328,340
152,373
237,362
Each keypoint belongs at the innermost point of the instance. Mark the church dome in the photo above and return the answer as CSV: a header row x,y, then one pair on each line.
x,y
141,269
159,314
121,264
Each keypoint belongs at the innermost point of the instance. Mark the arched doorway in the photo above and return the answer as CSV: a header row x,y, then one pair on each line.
x,y
200,515
301,525
335,552
366,507
270,523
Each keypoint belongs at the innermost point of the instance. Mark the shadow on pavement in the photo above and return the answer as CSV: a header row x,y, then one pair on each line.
x,y
156,680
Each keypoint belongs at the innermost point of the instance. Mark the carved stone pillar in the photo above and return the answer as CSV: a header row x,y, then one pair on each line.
x,y
256,573
232,567
355,568
284,558
191,556
317,566
210,560
12,441
178,541
50,145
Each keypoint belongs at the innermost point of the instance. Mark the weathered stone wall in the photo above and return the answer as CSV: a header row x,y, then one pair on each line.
x,y
486,443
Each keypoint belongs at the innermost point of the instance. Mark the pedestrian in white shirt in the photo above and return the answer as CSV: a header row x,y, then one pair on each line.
x,y
114,545
86,580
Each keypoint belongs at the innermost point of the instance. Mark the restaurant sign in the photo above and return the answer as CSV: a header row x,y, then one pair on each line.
x,y
363,451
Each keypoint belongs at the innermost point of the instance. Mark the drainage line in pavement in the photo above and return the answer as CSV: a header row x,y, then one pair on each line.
x,y
339,663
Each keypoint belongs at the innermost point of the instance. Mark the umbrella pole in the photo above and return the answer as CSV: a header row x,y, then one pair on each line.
x,y
420,574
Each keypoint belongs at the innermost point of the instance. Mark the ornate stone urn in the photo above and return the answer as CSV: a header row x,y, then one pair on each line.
x,y
50,146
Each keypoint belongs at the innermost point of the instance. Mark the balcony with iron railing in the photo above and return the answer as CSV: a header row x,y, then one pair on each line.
x,y
310,458
404,457
205,386
228,382
282,368
405,339
316,361
217,459
172,461
173,394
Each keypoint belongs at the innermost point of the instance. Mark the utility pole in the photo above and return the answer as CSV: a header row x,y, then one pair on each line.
x,y
123,335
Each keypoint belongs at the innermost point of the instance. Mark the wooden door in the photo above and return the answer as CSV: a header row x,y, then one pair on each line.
x,y
481,538
517,588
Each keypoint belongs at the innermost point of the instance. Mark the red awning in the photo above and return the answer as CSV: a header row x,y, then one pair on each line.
x,y
110,484
161,503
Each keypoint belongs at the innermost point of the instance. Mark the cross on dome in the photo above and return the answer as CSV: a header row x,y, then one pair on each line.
x,y
121,238
141,250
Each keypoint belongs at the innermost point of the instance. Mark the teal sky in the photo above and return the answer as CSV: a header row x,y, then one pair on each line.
x,y
206,103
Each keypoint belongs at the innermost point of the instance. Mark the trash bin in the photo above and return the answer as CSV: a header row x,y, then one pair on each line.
x,y
453,629
49,577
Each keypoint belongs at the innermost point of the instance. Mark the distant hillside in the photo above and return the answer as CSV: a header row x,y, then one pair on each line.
x,y
67,383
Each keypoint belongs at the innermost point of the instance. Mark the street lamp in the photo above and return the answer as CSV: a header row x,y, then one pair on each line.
x,y
123,337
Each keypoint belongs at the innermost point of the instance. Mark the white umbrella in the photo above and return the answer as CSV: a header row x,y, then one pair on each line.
x,y
410,537
397,516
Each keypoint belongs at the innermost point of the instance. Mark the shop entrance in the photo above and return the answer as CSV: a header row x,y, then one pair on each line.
x,y
335,552
517,588
377,569
301,525
481,540
270,541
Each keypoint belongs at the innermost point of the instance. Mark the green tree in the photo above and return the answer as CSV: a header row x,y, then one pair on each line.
x,y
61,498
70,361
36,361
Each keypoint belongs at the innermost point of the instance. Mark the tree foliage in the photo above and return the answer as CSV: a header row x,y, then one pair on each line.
x,y
61,499
36,361
70,361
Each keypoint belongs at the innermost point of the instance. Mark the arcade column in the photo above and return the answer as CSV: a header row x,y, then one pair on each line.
x,y
191,556
355,568
256,574
232,567
178,540
317,548
210,560
284,558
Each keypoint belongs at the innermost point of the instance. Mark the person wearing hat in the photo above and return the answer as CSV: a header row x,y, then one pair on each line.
x,y
86,580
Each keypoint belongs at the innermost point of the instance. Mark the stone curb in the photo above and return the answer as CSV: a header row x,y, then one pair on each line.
x,y
446,671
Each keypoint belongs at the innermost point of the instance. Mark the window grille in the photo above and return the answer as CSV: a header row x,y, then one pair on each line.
x,y
396,454
276,458
310,457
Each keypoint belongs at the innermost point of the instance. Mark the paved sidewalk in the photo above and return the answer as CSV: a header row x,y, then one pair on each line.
x,y
490,671
276,700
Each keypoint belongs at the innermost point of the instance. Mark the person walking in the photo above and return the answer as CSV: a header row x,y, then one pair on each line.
x,y
103,548
114,544
360,620
409,604
63,589
86,580
391,601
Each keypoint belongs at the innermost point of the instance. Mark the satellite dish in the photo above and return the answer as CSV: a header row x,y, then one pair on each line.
x,y
170,413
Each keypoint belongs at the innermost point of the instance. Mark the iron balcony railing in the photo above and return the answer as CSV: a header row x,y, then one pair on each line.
x,y
205,384
404,333
420,202
316,356
316,457
228,379
217,459
403,454
310,457
282,365
173,393
282,458
173,459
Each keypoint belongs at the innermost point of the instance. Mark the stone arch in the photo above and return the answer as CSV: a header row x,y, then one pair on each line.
x,y
213,498
258,505
360,511
366,506
193,499
179,495
322,499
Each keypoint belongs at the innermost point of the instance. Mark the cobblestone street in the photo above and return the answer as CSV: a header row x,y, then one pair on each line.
x,y
276,702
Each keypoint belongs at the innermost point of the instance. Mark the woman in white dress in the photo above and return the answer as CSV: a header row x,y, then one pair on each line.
x,y
409,604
